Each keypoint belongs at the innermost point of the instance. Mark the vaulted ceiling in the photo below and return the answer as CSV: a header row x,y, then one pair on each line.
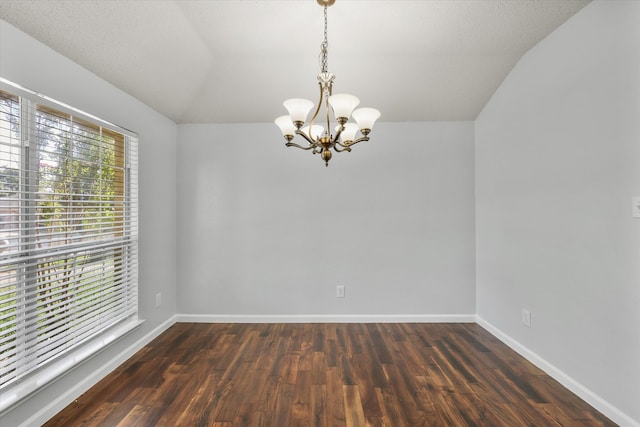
x,y
223,61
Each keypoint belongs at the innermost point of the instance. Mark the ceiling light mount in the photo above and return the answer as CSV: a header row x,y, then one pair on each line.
x,y
322,141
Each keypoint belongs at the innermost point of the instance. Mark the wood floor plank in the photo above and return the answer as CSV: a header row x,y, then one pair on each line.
x,y
392,413
284,403
301,409
404,394
335,401
266,399
319,406
365,380
134,417
327,375
319,367
353,406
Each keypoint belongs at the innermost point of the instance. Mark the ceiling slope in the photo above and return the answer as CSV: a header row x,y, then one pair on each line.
x,y
236,61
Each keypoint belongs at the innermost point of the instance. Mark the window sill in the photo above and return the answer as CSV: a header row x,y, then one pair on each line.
x,y
23,388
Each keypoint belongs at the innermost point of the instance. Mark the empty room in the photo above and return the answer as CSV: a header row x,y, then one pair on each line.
x,y
320,213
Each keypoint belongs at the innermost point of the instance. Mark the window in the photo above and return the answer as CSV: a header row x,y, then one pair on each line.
x,y
68,237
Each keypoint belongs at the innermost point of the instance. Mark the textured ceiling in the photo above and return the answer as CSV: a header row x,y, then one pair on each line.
x,y
236,61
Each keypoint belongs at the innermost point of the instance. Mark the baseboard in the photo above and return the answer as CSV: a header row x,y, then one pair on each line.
x,y
330,318
44,414
574,386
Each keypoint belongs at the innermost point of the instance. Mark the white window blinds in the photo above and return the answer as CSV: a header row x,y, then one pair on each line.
x,y
68,233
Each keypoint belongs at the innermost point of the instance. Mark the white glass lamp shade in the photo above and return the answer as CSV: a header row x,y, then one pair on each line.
x,y
366,117
298,109
315,132
286,125
343,105
349,132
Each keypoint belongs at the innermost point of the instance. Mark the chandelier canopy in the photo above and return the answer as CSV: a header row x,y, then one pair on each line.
x,y
320,139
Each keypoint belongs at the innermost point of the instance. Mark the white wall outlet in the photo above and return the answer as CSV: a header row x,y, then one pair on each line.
x,y
158,299
526,317
340,291
635,213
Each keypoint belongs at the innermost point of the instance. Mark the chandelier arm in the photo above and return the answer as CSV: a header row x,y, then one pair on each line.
x,y
307,137
315,114
293,144
346,148
326,107
336,139
364,138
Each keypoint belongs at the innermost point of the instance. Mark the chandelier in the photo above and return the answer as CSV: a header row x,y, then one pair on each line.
x,y
320,140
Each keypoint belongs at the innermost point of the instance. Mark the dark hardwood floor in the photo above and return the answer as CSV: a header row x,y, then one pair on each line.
x,y
279,375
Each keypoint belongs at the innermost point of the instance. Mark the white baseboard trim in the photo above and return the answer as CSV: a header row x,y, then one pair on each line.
x,y
45,413
328,318
574,386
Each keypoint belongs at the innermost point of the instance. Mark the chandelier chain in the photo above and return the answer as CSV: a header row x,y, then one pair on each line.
x,y
324,48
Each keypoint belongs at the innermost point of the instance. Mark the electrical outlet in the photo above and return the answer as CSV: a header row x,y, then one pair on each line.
x,y
158,299
635,213
526,318
340,291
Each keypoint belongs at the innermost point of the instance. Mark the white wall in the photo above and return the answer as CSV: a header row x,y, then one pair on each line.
x,y
557,163
270,231
36,67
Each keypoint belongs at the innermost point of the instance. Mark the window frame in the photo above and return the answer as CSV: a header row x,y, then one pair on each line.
x,y
36,375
